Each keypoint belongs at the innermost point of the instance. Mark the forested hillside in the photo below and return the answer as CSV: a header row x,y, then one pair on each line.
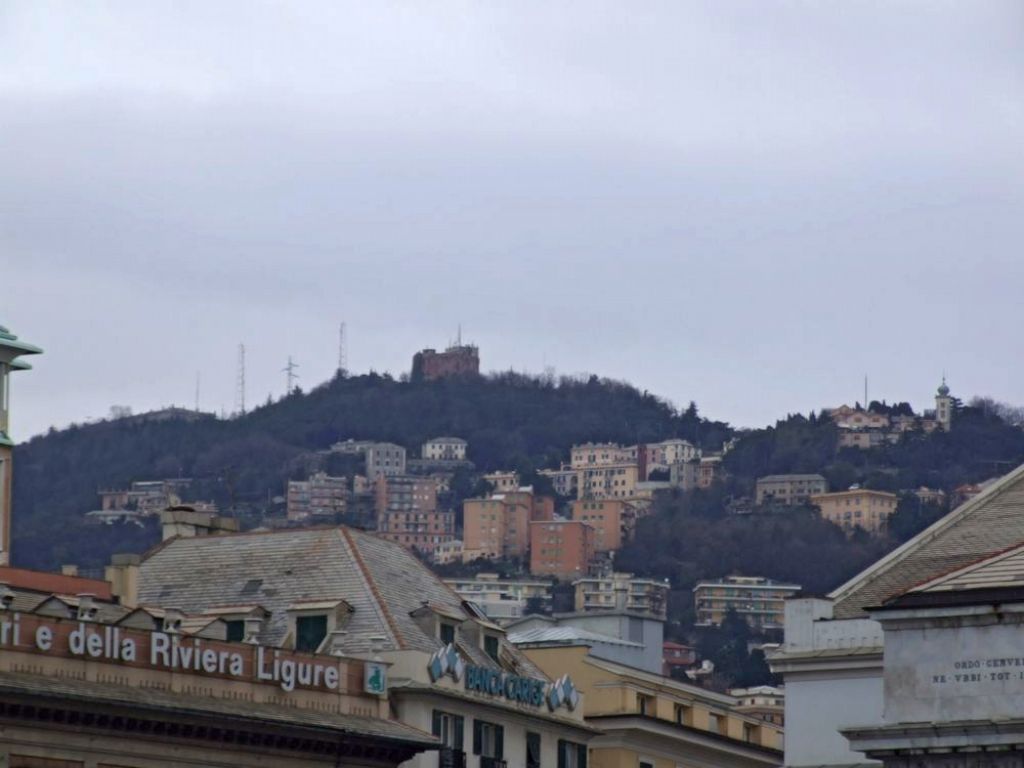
x,y
511,422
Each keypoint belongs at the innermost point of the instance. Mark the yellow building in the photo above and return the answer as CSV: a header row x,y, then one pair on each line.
x,y
857,507
759,601
651,721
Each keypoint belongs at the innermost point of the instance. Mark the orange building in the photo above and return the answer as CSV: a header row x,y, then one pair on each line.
x,y
407,513
498,528
612,520
561,548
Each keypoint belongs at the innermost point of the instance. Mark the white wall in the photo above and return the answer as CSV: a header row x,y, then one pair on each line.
x,y
817,708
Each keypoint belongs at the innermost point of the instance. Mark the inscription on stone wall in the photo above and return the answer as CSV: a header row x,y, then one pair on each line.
x,y
980,670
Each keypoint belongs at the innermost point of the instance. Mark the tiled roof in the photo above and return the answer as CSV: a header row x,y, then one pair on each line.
x,y
382,581
1005,569
989,523
566,635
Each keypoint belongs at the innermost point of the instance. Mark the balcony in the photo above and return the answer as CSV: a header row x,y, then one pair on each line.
x,y
451,758
492,762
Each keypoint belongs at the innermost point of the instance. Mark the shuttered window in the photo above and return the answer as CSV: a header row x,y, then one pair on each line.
x,y
488,739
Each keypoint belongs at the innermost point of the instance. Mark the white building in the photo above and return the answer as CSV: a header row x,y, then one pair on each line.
x,y
502,599
832,657
444,449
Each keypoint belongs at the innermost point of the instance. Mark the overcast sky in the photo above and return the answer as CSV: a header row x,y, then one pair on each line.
x,y
747,204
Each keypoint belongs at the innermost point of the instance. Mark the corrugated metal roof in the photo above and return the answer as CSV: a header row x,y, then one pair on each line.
x,y
566,634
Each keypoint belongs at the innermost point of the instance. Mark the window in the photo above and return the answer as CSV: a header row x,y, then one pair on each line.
x,y
236,631
683,715
447,633
488,739
750,732
310,631
491,646
645,763
532,750
448,728
571,754
715,723
646,704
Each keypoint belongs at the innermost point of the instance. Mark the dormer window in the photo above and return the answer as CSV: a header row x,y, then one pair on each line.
x,y
447,633
235,630
310,623
491,646
310,632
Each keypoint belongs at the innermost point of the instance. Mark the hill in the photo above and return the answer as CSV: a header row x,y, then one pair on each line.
x,y
511,422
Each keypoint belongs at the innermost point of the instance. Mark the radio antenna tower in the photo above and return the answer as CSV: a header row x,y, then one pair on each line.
x,y
342,352
197,391
240,384
292,375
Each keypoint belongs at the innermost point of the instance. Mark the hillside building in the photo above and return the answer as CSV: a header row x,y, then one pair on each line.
x,y
561,548
385,459
503,599
857,508
789,490
497,528
623,592
760,601
676,658
613,521
320,496
457,360
444,449
503,482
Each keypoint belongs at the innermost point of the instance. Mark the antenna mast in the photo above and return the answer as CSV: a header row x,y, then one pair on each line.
x,y
292,375
240,382
197,391
342,352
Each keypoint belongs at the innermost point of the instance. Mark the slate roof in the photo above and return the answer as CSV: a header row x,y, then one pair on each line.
x,y
987,524
153,699
382,581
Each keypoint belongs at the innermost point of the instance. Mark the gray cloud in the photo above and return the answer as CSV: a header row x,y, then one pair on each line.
x,y
746,204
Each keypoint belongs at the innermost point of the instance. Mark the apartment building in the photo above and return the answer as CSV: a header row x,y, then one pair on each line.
x,y
561,548
621,591
448,552
760,601
612,481
564,480
600,454
319,496
708,470
789,490
503,482
498,527
503,599
444,449
846,417
857,508
381,458
613,521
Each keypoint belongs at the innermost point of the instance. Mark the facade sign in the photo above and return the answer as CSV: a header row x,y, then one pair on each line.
x,y
492,682
375,677
167,652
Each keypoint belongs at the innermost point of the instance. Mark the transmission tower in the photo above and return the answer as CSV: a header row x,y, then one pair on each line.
x,y
292,375
342,352
240,386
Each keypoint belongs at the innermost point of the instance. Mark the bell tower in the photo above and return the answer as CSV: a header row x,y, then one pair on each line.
x,y
943,406
11,348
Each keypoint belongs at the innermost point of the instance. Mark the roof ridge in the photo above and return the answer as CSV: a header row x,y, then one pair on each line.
x,y
928,534
357,555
